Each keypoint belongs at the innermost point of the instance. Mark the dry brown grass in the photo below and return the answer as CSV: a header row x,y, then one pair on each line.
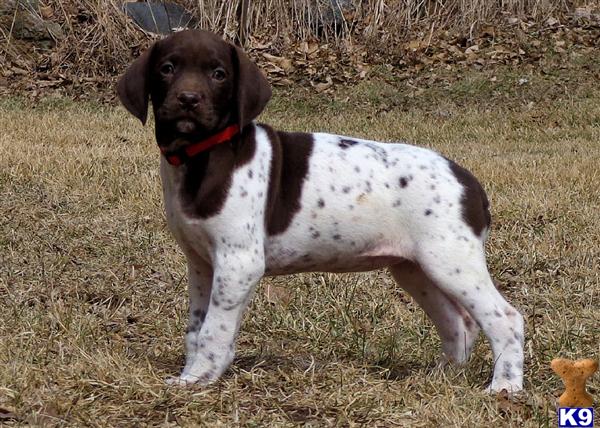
x,y
92,287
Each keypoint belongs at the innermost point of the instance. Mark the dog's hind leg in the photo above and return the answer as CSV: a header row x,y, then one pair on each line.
x,y
456,328
459,269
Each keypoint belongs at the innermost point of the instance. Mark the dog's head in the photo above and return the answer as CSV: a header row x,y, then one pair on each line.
x,y
198,84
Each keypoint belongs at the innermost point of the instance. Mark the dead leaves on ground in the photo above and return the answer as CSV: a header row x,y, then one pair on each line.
x,y
322,66
513,42
524,406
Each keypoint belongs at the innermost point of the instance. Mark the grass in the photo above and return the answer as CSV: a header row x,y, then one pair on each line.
x,y
93,296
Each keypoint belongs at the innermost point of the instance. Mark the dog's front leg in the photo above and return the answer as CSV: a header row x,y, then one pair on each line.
x,y
200,276
210,351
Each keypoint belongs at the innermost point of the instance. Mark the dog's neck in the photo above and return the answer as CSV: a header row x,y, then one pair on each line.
x,y
186,149
202,182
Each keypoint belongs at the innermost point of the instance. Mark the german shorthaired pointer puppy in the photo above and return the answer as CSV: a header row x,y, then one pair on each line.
x,y
244,201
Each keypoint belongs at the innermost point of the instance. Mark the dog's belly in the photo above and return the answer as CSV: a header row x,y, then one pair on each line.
x,y
334,264
294,260
337,245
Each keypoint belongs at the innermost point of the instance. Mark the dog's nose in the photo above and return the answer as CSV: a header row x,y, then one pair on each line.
x,y
188,99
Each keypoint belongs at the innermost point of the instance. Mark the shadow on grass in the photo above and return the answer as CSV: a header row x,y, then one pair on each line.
x,y
396,370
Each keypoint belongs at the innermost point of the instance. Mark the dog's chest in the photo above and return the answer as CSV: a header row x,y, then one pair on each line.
x,y
237,225
189,232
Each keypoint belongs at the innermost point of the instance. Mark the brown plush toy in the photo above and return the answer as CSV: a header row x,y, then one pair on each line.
x,y
574,375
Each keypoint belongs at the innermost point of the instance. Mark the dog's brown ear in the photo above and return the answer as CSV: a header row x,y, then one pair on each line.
x,y
253,89
134,86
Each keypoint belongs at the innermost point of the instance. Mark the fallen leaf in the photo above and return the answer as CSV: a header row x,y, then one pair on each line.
x,y
283,64
472,49
46,12
276,294
7,415
506,404
414,45
488,30
320,87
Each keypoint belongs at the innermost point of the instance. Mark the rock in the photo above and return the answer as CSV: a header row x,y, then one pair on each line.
x,y
26,21
159,18
331,14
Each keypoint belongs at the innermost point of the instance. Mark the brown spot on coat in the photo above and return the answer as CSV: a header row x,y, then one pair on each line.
x,y
345,143
289,168
475,204
199,313
207,177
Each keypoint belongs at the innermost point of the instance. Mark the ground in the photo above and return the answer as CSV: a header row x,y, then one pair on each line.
x,y
92,287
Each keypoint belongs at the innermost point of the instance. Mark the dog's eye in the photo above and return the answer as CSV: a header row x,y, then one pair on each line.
x,y
219,74
167,69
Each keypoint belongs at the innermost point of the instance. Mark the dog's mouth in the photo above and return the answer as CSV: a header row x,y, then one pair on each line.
x,y
176,128
179,132
189,125
186,126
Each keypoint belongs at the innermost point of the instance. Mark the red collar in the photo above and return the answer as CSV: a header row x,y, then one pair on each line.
x,y
182,155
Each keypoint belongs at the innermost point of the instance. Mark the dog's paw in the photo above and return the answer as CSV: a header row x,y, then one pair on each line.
x,y
504,385
189,379
445,361
177,381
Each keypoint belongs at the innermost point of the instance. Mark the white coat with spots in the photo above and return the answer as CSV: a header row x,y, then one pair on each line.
x,y
364,205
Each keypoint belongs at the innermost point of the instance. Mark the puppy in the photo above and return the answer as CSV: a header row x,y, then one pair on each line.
x,y
244,201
